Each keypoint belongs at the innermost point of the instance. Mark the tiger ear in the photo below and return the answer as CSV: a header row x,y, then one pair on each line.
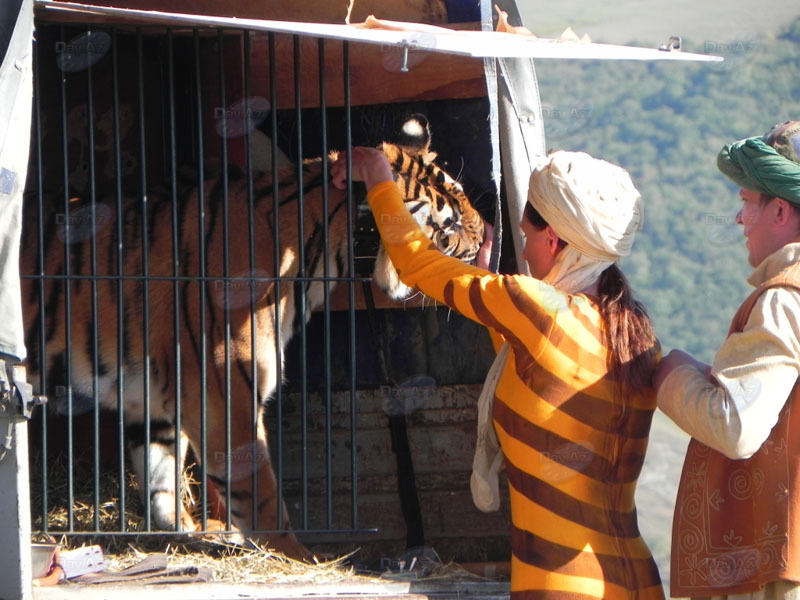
x,y
415,138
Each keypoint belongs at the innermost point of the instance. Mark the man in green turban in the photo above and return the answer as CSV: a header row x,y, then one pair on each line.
x,y
768,164
736,528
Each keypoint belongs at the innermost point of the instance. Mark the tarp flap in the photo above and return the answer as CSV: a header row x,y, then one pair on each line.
x,y
478,44
16,92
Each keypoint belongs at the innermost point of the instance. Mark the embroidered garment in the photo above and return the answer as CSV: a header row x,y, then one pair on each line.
x,y
734,529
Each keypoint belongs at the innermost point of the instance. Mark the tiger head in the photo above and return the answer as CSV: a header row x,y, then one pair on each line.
x,y
436,201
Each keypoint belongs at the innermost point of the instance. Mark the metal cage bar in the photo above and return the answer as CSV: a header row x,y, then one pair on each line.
x,y
120,295
251,259
201,241
326,302
279,471
351,288
37,149
176,269
67,301
94,334
155,98
301,304
146,379
227,274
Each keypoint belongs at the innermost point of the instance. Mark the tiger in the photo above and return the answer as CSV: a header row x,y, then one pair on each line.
x,y
204,290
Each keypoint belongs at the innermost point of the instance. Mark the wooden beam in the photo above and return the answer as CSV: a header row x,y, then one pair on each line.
x,y
375,73
313,11
340,299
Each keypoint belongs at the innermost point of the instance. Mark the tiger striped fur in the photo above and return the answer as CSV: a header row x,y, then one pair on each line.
x,y
212,309
437,202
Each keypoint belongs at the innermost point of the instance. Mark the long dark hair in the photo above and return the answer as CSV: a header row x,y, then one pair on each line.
x,y
629,334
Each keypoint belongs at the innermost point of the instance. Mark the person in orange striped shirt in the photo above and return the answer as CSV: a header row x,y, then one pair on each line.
x,y
573,404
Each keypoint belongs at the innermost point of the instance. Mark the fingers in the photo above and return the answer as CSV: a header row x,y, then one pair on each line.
x,y
485,251
338,171
368,165
677,358
488,231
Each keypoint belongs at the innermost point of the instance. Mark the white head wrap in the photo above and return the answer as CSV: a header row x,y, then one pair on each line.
x,y
593,206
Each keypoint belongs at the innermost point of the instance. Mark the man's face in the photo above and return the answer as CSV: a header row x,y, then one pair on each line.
x,y
759,243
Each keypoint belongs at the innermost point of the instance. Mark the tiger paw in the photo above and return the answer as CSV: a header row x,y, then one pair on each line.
x,y
216,531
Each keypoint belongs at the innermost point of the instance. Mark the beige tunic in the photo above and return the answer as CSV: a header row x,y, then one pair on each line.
x,y
752,376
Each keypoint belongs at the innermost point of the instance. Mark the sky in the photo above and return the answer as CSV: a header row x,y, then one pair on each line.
x,y
698,22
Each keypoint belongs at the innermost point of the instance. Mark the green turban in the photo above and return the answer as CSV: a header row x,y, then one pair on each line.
x,y
766,164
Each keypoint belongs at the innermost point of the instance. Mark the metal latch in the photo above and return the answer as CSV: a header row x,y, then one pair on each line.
x,y
16,400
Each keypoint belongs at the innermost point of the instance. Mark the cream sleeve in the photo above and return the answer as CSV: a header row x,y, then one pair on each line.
x,y
753,373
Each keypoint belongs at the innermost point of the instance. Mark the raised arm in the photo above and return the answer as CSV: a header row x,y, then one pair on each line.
x,y
733,406
517,307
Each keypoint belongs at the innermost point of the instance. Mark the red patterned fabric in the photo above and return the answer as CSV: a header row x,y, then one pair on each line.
x,y
736,527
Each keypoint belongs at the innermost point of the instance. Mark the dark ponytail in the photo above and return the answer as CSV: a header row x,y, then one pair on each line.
x,y
630,338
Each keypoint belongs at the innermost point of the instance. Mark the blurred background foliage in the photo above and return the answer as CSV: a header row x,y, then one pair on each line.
x,y
665,122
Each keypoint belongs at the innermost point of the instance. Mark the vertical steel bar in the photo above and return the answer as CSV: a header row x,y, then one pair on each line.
x,y
201,240
176,272
326,304
253,285
93,270
145,279
37,125
351,290
67,302
273,99
226,275
301,286
120,285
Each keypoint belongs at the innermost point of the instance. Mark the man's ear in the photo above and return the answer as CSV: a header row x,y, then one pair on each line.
x,y
783,212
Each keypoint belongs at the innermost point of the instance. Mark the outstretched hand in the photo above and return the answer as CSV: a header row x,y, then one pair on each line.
x,y
369,165
673,360
485,251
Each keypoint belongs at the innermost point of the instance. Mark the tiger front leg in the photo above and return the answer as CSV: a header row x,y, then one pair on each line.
x,y
162,468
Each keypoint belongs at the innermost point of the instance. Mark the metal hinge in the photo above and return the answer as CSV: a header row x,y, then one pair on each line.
x,y
16,401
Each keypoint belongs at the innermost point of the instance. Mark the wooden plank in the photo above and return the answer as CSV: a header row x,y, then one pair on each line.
x,y
375,74
375,71
340,299
312,11
323,590
442,438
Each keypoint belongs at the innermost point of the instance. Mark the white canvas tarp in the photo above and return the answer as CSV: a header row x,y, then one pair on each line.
x,y
477,44
16,91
